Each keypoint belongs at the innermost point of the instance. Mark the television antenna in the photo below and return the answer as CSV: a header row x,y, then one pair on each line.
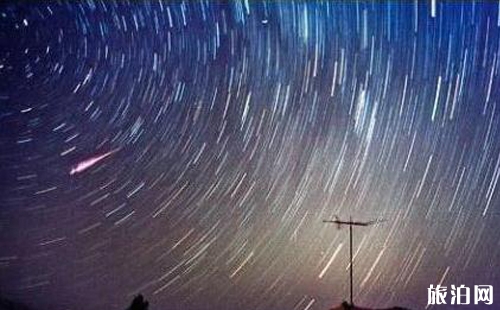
x,y
351,223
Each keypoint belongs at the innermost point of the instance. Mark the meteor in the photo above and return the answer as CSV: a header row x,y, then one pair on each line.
x,y
84,165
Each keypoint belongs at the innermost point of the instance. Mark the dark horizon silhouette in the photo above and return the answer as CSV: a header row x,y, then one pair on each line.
x,y
6,304
346,306
140,303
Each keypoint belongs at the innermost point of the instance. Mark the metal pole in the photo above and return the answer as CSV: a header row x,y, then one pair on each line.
x,y
350,246
350,223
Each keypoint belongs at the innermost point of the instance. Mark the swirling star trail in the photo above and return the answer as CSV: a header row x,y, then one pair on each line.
x,y
240,127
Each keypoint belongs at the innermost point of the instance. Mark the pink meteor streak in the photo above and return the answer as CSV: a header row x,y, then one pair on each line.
x,y
84,165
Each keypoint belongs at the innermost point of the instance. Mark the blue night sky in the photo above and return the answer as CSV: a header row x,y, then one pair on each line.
x,y
190,151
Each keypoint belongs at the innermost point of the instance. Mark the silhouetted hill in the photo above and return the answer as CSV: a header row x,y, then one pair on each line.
x,y
140,303
347,306
10,305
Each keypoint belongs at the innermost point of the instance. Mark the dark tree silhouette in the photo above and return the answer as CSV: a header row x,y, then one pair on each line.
x,y
139,303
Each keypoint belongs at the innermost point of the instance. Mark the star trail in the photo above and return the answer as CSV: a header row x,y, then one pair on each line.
x,y
190,151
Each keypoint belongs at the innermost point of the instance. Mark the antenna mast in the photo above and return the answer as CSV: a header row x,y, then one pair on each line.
x,y
350,223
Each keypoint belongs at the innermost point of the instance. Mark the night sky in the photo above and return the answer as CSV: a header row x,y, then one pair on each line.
x,y
190,151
